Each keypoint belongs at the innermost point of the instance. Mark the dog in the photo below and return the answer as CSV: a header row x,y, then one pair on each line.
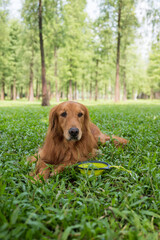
x,y
71,138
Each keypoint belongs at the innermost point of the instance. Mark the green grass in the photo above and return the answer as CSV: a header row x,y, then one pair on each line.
x,y
116,205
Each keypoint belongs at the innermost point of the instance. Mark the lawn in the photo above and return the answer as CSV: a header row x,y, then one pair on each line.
x,y
116,205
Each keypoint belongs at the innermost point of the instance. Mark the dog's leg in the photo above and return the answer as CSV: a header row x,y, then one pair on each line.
x,y
118,141
100,137
42,170
31,159
59,169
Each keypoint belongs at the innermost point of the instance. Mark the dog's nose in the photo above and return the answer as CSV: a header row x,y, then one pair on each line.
x,y
73,132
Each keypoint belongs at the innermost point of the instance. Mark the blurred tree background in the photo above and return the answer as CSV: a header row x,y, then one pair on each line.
x,y
56,50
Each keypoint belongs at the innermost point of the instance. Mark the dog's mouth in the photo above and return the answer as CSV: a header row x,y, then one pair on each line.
x,y
73,139
73,134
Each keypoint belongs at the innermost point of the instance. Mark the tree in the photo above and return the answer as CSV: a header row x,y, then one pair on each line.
x,y
74,30
153,19
3,46
134,68
78,57
30,46
45,97
129,24
118,16
14,58
32,14
54,33
154,69
117,84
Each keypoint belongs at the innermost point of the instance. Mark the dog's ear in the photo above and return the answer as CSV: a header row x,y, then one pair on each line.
x,y
54,127
52,118
86,118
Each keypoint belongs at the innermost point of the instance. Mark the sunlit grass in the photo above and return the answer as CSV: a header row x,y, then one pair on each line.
x,y
25,102
116,205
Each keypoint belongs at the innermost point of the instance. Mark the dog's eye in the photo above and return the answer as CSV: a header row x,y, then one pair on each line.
x,y
64,114
80,114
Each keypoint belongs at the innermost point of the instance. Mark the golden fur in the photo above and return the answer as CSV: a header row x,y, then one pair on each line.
x,y
71,138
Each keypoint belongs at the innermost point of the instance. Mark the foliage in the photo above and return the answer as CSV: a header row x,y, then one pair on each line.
x,y
15,55
135,72
153,67
79,52
116,205
3,45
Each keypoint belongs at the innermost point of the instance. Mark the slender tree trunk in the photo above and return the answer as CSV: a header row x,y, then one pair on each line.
x,y
70,90
151,94
96,83
62,95
8,90
37,90
31,92
124,88
14,89
70,96
124,77
96,90
117,84
83,90
133,92
67,91
50,95
55,74
45,97
75,90
90,92
17,93
21,92
3,89
26,92
11,92
105,94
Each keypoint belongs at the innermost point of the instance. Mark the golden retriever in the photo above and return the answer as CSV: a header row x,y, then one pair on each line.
x,y
71,138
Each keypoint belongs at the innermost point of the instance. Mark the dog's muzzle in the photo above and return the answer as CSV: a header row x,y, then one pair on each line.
x,y
74,132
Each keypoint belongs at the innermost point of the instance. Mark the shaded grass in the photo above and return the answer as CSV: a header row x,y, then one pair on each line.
x,y
116,205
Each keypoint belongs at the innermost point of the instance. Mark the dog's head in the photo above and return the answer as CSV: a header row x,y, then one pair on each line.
x,y
69,120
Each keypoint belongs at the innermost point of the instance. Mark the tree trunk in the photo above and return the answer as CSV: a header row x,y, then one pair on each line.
x,y
31,93
8,90
90,92
11,92
75,90
3,90
96,83
37,90
67,91
55,74
133,93
26,92
17,93
14,89
21,92
105,94
62,95
70,90
124,88
151,94
117,84
96,90
45,97
82,91
124,77
50,95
